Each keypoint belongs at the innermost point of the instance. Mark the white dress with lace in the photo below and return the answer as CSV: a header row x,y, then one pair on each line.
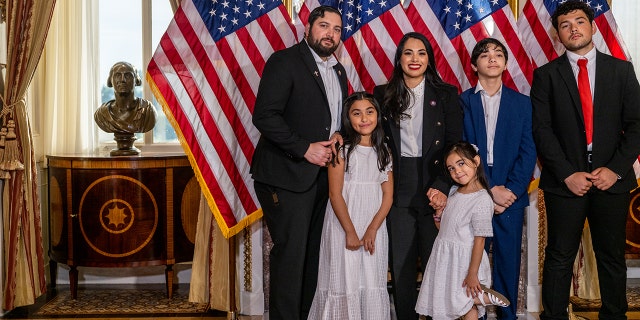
x,y
442,295
353,284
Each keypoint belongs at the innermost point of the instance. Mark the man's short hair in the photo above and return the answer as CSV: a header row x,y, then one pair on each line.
x,y
319,12
570,6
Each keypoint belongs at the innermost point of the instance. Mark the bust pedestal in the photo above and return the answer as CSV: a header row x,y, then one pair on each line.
x,y
124,142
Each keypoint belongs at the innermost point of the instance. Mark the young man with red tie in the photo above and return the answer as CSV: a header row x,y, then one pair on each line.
x,y
586,126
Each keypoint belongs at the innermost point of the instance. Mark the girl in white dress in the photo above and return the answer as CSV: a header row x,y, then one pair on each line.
x,y
352,277
457,278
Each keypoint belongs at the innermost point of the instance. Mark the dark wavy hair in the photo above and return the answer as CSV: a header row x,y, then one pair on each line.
x,y
467,152
319,12
568,7
397,95
483,46
353,138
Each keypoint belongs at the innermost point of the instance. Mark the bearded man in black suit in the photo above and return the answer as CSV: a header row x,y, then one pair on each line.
x,y
297,112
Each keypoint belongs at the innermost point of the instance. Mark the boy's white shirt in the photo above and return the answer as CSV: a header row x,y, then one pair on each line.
x,y
491,107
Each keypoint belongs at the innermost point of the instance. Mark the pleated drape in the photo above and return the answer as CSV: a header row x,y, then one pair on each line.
x,y
24,279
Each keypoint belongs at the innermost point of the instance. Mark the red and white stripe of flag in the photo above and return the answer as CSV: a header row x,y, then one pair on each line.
x,y
453,56
540,38
208,91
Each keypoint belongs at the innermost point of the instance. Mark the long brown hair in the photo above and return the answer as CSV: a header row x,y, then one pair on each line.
x,y
397,95
352,138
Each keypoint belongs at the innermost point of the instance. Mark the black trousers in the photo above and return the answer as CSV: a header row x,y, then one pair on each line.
x,y
295,223
607,215
412,232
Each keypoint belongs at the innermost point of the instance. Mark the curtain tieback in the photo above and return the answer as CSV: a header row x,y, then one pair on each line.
x,y
10,155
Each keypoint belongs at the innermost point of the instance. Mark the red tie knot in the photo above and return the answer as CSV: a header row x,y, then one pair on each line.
x,y
582,62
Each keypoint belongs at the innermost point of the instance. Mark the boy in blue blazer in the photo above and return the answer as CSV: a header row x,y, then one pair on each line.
x,y
497,120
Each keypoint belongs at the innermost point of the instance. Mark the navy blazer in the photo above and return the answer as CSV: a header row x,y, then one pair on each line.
x,y
558,125
442,127
514,153
291,112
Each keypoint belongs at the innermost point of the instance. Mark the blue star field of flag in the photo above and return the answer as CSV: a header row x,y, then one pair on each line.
x,y
456,16
357,13
599,6
223,17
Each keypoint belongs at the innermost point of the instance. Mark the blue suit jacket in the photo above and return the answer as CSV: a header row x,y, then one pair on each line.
x,y
514,152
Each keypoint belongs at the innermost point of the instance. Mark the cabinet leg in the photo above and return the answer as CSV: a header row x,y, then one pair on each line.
x,y
168,273
53,273
73,281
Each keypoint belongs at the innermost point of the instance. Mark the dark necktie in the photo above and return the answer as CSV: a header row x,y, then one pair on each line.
x,y
584,88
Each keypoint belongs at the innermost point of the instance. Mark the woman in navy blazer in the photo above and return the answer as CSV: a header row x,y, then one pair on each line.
x,y
420,181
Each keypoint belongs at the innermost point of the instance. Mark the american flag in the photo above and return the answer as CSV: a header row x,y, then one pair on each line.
x,y
454,26
371,30
540,38
205,73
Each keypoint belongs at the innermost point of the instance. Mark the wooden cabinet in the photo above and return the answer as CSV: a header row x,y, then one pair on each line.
x,y
121,212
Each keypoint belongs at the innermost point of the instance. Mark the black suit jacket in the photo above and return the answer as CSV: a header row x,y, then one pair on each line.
x,y
441,127
558,125
291,111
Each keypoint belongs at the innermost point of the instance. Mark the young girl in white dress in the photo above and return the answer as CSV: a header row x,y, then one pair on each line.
x,y
352,276
457,278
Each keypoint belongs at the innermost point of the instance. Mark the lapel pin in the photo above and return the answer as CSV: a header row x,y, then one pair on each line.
x,y
432,103
339,73
316,73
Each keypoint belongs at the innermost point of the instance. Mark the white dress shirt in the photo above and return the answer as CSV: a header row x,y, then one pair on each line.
x,y
491,106
332,87
411,127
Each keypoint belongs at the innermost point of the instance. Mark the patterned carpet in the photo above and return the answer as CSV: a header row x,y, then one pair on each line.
x,y
633,298
115,301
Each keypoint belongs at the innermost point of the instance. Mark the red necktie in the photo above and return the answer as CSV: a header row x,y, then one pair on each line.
x,y
584,88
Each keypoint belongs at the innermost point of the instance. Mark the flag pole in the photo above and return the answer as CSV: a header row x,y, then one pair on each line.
x,y
233,311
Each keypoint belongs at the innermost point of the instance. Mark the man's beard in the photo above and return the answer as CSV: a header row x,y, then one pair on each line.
x,y
579,45
322,51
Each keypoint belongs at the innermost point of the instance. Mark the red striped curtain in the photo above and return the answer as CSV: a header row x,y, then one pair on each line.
x,y
27,25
